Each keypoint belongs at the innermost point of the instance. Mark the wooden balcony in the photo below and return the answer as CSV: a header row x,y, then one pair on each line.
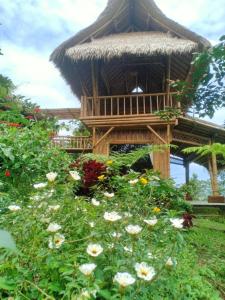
x,y
125,109
73,143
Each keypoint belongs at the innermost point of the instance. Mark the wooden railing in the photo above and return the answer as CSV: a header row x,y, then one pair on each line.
x,y
136,104
73,142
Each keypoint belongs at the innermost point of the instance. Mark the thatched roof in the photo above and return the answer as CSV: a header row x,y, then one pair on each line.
x,y
134,43
120,19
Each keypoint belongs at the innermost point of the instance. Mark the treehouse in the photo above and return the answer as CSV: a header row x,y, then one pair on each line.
x,y
120,68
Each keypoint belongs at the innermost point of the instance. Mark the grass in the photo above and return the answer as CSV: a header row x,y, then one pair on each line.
x,y
207,241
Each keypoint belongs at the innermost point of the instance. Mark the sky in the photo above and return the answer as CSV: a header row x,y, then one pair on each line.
x,y
31,29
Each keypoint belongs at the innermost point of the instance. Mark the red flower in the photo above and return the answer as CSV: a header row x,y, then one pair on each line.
x,y
29,117
7,173
188,220
92,170
37,109
14,124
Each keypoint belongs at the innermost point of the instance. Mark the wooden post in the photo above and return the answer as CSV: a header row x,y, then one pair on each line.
x,y
94,76
168,76
94,136
215,176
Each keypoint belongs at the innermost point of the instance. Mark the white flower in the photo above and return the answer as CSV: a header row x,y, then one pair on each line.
x,y
36,197
144,271
151,222
133,182
133,229
53,227
116,235
56,241
150,255
87,269
177,223
95,202
75,175
111,246
128,249
51,176
94,250
124,279
14,207
84,295
109,195
54,207
112,216
170,262
92,224
39,186
128,215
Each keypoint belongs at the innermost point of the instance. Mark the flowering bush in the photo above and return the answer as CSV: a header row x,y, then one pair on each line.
x,y
124,243
26,155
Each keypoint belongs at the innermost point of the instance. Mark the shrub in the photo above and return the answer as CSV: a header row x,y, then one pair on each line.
x,y
123,243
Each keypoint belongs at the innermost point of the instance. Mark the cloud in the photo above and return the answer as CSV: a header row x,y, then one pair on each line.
x,y
31,29
36,77
206,17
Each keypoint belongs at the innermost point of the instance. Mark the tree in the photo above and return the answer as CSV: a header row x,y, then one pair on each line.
x,y
206,91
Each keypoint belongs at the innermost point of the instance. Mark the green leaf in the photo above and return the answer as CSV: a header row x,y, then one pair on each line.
x,y
6,240
105,294
4,284
7,152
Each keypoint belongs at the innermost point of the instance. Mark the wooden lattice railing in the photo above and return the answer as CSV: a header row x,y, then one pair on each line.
x,y
73,142
125,105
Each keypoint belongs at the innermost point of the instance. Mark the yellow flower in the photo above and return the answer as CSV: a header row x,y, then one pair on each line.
x,y
156,210
144,181
109,162
101,178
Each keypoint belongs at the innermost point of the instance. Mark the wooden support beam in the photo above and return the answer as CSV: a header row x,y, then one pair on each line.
x,y
94,76
168,77
93,135
168,133
103,137
215,175
156,134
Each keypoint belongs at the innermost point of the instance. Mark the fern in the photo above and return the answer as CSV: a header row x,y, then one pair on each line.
x,y
216,148
125,159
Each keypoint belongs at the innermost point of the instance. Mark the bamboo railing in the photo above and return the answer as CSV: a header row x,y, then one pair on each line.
x,y
125,105
73,142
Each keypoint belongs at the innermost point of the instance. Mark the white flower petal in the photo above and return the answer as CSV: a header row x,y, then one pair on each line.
x,y
124,279
144,271
53,227
75,175
87,269
112,216
51,176
14,207
94,250
133,229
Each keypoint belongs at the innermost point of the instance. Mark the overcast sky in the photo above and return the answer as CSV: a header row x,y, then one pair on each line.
x,y
32,29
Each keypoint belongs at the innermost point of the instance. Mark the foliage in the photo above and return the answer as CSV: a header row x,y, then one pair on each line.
x,y
216,148
81,129
198,190
125,159
206,91
168,114
48,264
26,154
